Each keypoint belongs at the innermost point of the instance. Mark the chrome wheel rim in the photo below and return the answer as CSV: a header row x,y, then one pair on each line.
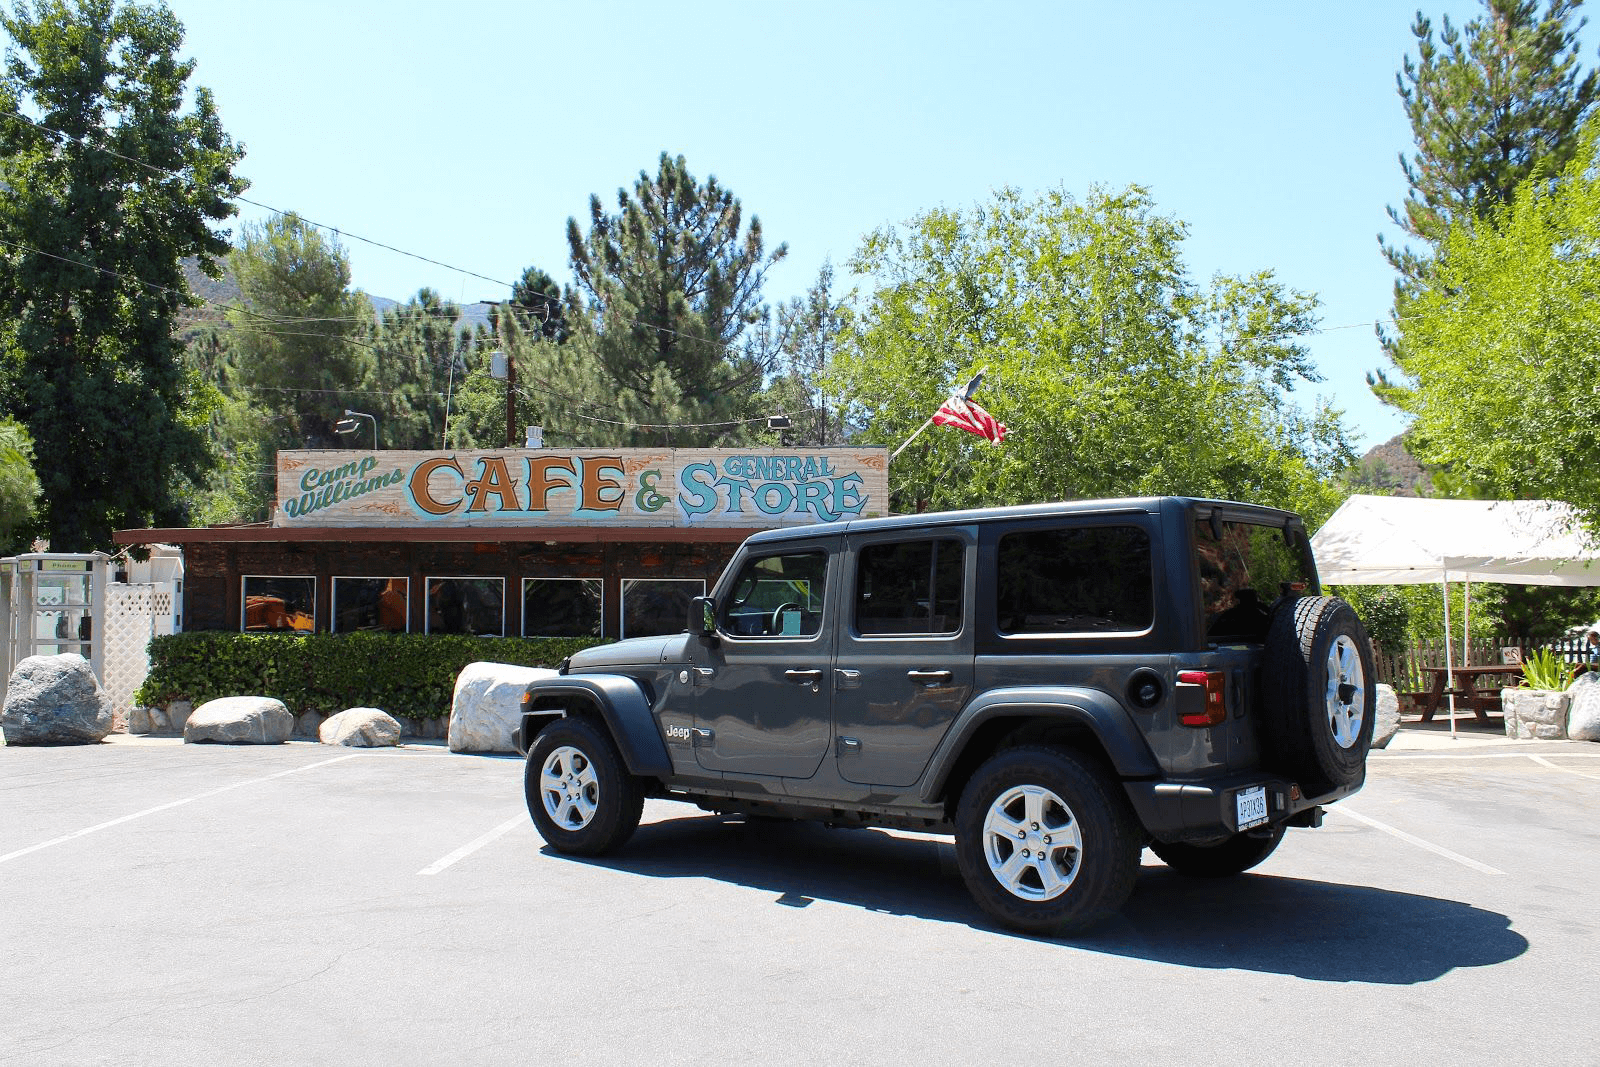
x,y
1346,697
1032,843
568,788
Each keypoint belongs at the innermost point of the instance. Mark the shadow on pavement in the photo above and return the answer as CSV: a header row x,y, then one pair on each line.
x,y
1322,931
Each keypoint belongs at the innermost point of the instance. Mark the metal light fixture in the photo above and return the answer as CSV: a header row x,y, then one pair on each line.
x,y
350,425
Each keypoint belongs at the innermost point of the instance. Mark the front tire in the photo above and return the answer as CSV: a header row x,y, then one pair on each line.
x,y
1236,855
1045,841
580,794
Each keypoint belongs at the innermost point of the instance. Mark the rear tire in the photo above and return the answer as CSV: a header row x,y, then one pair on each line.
x,y
1045,840
580,794
1237,854
1321,696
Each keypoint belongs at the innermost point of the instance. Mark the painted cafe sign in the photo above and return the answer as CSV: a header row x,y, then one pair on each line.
x,y
615,487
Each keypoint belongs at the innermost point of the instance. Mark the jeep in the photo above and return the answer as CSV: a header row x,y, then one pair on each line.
x,y
1056,686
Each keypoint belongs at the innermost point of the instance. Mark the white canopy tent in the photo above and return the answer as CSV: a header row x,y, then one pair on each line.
x,y
1389,540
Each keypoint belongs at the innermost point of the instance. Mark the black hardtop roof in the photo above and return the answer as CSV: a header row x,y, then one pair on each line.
x,y
1148,505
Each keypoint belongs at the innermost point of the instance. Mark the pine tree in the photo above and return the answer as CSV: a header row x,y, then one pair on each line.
x,y
1491,105
668,292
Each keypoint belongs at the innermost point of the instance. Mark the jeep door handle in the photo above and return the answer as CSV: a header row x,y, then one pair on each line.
x,y
930,677
845,678
803,676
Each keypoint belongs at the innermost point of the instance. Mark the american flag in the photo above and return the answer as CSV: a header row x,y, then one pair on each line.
x,y
967,415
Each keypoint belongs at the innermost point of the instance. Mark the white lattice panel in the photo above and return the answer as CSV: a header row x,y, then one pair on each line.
x,y
134,613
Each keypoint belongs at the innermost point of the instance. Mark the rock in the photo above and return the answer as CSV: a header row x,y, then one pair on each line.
x,y
487,706
1583,718
360,728
240,720
138,720
178,713
309,725
160,725
55,700
1386,716
1535,713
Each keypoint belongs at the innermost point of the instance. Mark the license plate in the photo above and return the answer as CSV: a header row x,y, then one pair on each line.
x,y
1252,804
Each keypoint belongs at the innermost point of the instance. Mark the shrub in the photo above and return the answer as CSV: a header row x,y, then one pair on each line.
x,y
1543,669
404,674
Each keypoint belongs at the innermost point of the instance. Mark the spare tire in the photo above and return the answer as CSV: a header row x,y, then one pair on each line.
x,y
1320,694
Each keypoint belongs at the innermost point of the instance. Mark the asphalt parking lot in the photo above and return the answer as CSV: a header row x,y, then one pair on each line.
x,y
300,904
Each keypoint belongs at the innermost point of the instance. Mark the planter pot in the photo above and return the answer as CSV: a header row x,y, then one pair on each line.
x,y
1536,713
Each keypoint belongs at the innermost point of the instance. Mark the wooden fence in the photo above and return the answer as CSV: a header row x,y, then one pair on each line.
x,y
1403,669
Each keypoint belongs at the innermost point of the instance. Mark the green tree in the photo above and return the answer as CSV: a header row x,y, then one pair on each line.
x,y
297,348
1115,372
19,485
1500,345
1491,105
108,185
417,362
810,328
668,290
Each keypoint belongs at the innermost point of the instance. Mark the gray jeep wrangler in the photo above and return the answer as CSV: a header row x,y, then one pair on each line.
x,y
1058,686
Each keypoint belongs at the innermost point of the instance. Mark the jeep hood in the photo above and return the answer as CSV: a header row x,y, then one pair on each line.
x,y
634,651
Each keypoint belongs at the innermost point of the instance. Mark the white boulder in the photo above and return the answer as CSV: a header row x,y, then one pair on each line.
x,y
1386,716
55,700
1583,717
240,721
487,706
360,728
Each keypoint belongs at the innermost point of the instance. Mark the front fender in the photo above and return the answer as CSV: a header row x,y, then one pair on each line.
x,y
1097,711
622,705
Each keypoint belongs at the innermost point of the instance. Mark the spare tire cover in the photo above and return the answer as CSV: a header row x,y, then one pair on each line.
x,y
1320,694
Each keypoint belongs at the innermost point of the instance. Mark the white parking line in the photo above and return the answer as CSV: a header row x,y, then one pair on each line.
x,y
165,807
1557,767
474,845
1466,861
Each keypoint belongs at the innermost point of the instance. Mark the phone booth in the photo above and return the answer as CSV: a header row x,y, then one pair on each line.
x,y
52,600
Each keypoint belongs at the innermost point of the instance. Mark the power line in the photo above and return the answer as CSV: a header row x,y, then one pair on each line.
x,y
549,301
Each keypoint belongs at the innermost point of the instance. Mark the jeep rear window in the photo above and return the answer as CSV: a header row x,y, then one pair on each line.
x,y
1091,579
1244,567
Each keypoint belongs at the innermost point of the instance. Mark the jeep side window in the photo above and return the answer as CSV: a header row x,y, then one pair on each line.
x,y
1089,579
909,587
777,596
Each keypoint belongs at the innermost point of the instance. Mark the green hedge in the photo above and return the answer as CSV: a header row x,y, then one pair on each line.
x,y
404,674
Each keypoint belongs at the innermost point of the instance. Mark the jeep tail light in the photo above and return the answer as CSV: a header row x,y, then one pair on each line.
x,y
1202,698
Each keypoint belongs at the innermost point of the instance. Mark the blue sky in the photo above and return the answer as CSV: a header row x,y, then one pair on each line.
x,y
469,132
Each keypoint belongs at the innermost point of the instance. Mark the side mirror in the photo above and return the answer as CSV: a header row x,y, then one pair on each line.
x,y
702,616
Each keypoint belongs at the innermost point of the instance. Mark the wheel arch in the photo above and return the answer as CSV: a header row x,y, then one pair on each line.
x,y
1084,719
618,702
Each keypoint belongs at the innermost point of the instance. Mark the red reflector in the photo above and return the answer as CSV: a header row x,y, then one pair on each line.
x,y
1215,707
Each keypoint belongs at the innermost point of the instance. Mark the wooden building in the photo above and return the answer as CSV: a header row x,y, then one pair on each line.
x,y
509,542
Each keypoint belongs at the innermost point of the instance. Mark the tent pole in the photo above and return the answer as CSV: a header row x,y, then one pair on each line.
x,y
1466,626
1449,664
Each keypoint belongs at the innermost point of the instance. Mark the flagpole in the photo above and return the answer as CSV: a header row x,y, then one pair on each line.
x,y
913,437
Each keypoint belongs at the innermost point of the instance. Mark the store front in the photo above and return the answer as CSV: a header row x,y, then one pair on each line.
x,y
604,543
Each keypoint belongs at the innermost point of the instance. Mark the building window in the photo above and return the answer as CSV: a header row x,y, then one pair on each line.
x,y
467,606
371,604
652,606
279,605
561,607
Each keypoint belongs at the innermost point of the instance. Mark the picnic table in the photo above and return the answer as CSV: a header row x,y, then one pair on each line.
x,y
1463,684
